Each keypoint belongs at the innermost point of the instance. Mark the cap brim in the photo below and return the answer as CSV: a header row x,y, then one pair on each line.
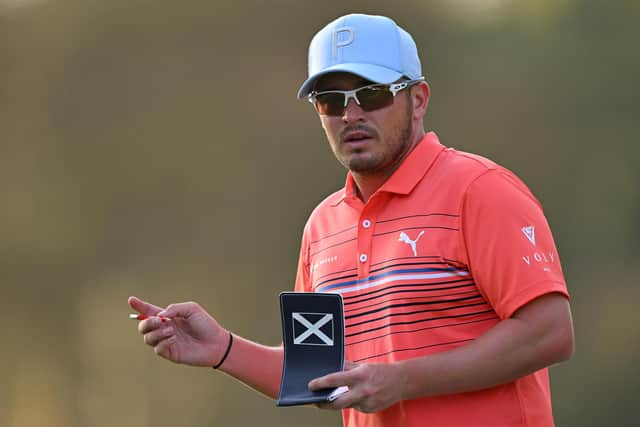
x,y
374,73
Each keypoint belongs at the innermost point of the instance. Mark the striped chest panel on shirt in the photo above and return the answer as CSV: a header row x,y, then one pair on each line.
x,y
410,295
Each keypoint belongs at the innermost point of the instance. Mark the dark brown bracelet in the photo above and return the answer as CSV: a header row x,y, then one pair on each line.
x,y
226,353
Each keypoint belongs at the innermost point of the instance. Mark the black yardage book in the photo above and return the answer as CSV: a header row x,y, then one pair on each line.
x,y
313,337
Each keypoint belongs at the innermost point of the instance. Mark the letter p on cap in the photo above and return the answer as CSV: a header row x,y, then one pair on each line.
x,y
342,43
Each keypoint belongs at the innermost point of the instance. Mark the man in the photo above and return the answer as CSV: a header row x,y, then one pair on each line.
x,y
454,297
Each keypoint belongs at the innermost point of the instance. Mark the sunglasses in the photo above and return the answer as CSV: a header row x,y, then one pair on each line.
x,y
369,98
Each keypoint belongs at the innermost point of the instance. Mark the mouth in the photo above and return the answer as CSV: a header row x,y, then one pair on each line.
x,y
356,137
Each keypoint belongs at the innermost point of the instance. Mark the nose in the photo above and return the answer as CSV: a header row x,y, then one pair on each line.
x,y
352,112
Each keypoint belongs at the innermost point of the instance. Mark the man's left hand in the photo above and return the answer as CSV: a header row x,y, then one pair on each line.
x,y
372,387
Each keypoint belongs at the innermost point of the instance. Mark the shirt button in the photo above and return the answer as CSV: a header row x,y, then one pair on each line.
x,y
363,257
366,223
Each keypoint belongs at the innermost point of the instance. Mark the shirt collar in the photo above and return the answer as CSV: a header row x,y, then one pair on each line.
x,y
412,169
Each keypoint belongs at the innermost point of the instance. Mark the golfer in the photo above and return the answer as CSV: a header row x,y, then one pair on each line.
x,y
454,297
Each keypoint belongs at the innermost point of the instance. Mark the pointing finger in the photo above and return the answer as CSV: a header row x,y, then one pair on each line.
x,y
143,307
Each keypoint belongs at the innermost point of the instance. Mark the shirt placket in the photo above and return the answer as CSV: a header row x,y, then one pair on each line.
x,y
366,226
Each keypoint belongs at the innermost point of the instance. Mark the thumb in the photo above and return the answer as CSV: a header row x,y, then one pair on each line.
x,y
349,365
143,307
182,309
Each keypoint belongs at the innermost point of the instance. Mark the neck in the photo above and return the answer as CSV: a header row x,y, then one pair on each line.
x,y
367,184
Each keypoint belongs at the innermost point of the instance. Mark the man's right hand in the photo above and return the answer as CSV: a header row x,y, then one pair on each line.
x,y
191,337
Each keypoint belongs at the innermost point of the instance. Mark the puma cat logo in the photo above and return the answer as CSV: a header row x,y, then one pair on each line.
x,y
405,238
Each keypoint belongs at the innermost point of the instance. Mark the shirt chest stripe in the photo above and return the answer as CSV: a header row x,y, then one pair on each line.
x,y
386,267
413,322
423,294
409,287
388,307
448,325
409,313
392,276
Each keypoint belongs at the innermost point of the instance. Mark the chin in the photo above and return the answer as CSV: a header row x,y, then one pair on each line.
x,y
363,165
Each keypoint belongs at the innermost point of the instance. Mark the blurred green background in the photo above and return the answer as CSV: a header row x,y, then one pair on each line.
x,y
156,148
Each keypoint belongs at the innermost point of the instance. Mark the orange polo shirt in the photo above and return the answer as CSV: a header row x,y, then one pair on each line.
x,y
451,244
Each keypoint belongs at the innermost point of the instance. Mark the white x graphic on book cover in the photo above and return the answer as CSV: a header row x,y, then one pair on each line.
x,y
312,335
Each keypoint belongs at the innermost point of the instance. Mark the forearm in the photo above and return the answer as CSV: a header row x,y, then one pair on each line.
x,y
488,361
256,365
510,350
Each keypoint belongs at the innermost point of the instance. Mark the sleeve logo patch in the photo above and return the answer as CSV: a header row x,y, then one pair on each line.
x,y
530,233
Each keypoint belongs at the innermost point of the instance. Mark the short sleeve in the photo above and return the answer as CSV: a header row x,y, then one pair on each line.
x,y
510,248
303,277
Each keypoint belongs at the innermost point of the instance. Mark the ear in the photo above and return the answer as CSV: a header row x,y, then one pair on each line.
x,y
420,98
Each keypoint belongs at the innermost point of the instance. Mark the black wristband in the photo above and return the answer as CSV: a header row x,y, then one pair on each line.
x,y
226,353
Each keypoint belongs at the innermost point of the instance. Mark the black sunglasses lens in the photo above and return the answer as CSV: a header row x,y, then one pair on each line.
x,y
374,98
330,104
